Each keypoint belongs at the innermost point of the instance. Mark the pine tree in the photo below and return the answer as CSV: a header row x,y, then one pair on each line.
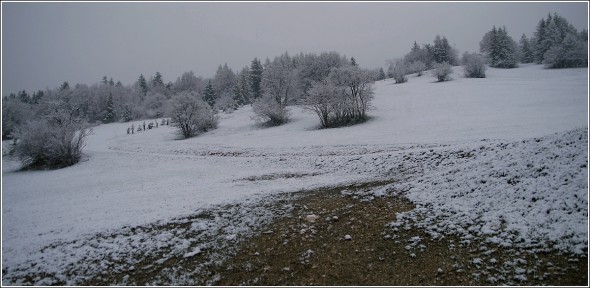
x,y
353,61
526,52
109,114
23,97
142,84
415,48
157,81
381,73
209,94
256,70
65,86
540,38
37,96
500,48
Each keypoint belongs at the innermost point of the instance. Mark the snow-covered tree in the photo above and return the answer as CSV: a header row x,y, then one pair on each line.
x,y
572,52
210,95
189,82
417,67
443,52
526,53
242,88
442,71
191,115
279,82
255,75
314,68
54,141
157,81
473,65
142,84
550,44
109,113
323,99
358,92
381,74
397,70
500,48
224,80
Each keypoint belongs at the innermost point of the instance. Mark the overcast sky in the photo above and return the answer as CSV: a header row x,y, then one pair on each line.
x,y
44,44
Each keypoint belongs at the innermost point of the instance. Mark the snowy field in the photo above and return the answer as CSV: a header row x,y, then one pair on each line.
x,y
503,158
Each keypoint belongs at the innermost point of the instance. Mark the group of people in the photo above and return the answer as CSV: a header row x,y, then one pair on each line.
x,y
131,130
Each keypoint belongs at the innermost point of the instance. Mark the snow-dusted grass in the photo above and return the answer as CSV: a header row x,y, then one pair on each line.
x,y
148,177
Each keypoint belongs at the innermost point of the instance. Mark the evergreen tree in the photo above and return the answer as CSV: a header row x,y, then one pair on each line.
x,y
439,51
443,52
126,114
559,45
353,61
382,73
37,97
241,90
415,48
526,51
142,84
256,70
105,81
209,94
24,97
111,83
157,81
500,48
540,38
109,114
506,50
65,86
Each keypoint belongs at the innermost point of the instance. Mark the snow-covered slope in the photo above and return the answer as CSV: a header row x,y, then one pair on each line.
x,y
150,176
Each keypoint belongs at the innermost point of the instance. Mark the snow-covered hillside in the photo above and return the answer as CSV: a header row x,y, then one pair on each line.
x,y
129,180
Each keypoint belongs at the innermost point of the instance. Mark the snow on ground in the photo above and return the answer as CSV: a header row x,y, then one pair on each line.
x,y
149,177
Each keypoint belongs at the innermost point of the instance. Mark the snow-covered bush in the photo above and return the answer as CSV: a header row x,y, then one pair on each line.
x,y
279,83
191,115
356,94
442,71
55,141
572,52
417,67
473,65
268,110
398,70
322,99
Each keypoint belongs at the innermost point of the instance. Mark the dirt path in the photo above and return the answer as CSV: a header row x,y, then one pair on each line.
x,y
296,251
337,236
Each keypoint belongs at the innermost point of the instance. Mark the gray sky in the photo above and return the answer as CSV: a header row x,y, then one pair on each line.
x,y
44,44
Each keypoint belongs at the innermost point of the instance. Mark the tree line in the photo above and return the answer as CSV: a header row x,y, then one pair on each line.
x,y
555,43
333,86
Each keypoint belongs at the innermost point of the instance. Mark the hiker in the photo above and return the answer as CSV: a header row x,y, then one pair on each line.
x,y
156,123
132,128
128,130
143,125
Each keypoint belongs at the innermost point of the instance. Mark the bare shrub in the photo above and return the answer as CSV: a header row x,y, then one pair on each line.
x,y
473,65
56,141
418,67
442,71
398,70
191,115
268,110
